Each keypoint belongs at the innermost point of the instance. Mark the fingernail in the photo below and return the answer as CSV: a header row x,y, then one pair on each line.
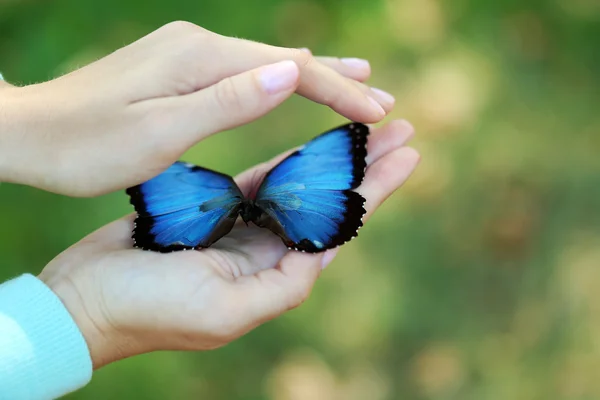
x,y
385,96
306,50
355,62
377,106
1,77
278,77
328,257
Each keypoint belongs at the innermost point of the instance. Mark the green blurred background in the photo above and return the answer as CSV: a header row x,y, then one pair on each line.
x,y
480,279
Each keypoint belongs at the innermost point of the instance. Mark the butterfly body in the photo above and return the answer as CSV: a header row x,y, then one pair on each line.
x,y
307,199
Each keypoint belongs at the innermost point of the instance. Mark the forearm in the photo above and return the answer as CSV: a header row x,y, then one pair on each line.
x,y
25,150
11,129
42,352
4,127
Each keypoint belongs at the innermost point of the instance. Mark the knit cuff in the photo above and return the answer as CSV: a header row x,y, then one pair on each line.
x,y
43,354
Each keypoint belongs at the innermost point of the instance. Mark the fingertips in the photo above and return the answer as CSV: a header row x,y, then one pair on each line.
x,y
348,97
386,175
383,104
321,83
388,138
278,77
356,70
385,99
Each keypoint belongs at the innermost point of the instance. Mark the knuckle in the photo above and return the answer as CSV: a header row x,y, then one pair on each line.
x,y
302,58
228,96
195,42
181,26
225,330
184,27
231,331
154,124
333,99
299,296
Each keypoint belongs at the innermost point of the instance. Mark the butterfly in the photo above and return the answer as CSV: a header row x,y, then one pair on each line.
x,y
306,199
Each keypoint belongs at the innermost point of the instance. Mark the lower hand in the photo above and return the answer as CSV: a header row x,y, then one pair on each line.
x,y
127,301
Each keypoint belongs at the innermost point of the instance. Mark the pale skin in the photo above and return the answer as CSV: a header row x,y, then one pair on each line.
x,y
133,113
126,118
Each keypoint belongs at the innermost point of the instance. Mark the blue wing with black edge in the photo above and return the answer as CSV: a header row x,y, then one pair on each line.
x,y
184,207
307,199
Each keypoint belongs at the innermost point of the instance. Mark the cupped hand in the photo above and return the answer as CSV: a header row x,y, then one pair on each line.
x,y
129,301
125,118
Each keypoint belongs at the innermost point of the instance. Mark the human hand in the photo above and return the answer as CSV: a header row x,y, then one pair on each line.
x,y
125,118
128,301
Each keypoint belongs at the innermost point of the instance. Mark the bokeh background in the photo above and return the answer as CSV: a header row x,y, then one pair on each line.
x,y
480,279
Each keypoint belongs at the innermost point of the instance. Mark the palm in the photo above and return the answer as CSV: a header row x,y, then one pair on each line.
x,y
204,299
246,251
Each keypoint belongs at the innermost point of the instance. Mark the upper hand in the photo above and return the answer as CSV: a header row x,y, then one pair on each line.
x,y
125,118
127,301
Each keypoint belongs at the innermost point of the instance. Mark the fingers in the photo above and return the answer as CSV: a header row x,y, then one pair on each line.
x,y
386,175
389,165
353,68
319,82
388,138
350,67
381,141
271,292
229,103
194,58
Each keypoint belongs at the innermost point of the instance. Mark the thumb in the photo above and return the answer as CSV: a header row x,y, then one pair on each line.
x,y
231,102
271,292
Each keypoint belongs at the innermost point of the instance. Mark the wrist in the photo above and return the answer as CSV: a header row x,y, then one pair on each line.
x,y
6,118
27,143
13,134
97,335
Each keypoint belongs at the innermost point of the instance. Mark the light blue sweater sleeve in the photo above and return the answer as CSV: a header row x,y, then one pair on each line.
x,y
43,354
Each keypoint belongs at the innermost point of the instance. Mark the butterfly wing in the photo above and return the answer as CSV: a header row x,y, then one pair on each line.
x,y
184,207
307,199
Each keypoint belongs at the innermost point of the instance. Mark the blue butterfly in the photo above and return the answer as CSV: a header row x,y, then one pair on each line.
x,y
306,199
